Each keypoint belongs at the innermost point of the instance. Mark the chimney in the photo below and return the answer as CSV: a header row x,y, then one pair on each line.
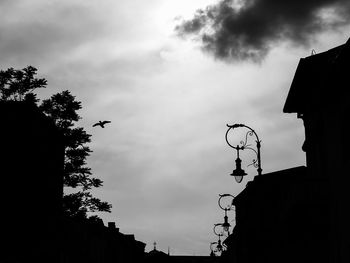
x,y
111,226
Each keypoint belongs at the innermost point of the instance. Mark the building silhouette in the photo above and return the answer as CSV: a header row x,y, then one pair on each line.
x,y
157,256
92,241
194,259
32,157
32,225
281,217
319,95
301,214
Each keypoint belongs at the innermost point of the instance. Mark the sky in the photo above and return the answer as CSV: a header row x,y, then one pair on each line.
x,y
170,75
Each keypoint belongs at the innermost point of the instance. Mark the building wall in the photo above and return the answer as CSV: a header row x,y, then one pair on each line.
x,y
327,144
92,242
320,95
32,157
328,156
282,217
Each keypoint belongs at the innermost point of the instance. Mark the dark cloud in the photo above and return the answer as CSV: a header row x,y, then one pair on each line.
x,y
246,29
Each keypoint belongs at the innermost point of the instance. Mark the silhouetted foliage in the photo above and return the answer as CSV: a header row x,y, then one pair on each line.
x,y
78,204
18,85
62,108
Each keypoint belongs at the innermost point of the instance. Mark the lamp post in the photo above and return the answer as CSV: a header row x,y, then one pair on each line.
x,y
226,225
238,173
219,246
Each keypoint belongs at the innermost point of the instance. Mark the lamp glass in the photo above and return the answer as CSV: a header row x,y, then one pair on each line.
x,y
238,178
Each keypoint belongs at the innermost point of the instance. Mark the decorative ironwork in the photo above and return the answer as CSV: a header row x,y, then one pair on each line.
x,y
226,225
230,207
243,145
219,234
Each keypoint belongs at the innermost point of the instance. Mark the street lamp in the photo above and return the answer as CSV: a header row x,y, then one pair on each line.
x,y
219,246
239,173
226,225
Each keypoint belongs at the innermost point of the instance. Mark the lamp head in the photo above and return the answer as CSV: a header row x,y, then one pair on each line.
x,y
219,246
238,173
226,225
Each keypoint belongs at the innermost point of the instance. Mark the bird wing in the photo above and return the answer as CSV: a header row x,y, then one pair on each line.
x,y
104,122
96,124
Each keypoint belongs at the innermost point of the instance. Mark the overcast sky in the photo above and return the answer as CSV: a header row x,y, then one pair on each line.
x,y
170,78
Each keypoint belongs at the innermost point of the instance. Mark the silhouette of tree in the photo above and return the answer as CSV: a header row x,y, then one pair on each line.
x,y
62,108
18,85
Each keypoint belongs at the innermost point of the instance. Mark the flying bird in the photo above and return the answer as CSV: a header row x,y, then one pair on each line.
x,y
101,123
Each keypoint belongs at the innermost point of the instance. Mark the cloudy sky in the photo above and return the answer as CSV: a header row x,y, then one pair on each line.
x,y
170,74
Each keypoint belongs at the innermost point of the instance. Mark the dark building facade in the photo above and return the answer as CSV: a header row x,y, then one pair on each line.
x,y
92,242
31,224
156,256
301,214
320,96
194,259
281,217
32,158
